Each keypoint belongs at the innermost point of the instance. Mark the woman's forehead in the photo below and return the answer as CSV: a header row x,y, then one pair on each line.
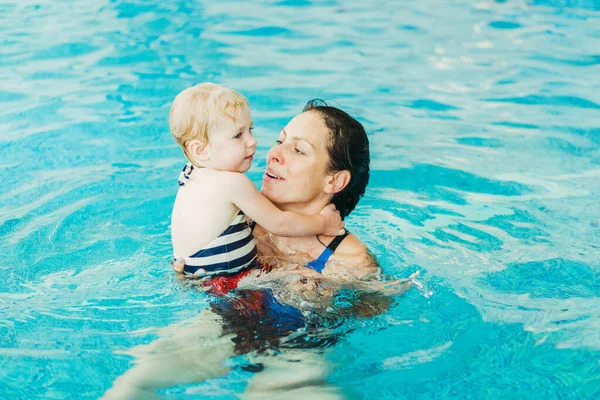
x,y
308,126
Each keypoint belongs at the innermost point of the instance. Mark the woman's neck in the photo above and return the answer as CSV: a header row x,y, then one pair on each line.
x,y
299,243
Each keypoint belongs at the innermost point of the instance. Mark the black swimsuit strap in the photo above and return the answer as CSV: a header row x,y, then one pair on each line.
x,y
336,241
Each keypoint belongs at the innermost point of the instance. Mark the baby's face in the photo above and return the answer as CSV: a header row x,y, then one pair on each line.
x,y
232,145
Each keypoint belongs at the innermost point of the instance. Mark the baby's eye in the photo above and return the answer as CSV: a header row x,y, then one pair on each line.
x,y
239,135
251,128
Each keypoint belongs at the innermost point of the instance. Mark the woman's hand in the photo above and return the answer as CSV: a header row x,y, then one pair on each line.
x,y
388,288
334,226
178,264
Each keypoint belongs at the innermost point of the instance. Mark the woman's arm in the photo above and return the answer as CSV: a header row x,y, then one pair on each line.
x,y
351,266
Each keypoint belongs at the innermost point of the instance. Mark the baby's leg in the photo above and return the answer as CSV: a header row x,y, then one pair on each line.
x,y
186,352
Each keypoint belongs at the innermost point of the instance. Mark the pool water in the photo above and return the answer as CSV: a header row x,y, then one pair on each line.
x,y
484,126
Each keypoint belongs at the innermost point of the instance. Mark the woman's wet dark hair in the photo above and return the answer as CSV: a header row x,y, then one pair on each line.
x,y
348,148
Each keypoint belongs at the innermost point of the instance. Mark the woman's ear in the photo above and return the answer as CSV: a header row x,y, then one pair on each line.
x,y
197,150
337,182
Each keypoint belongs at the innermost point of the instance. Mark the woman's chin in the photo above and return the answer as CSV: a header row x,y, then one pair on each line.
x,y
270,189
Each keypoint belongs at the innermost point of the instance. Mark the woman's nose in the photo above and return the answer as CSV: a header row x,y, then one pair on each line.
x,y
275,156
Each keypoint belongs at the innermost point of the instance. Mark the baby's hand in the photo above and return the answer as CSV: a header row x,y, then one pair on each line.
x,y
334,226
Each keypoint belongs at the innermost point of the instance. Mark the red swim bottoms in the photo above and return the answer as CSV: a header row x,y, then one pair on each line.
x,y
249,303
221,285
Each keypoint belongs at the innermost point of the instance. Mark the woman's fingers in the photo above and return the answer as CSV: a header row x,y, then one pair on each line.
x,y
178,264
198,278
414,275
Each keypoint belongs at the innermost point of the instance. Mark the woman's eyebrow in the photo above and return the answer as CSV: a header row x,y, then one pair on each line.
x,y
297,138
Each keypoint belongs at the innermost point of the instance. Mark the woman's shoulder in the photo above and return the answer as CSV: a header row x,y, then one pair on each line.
x,y
352,260
351,245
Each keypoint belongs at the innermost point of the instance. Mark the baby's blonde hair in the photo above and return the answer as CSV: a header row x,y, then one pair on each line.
x,y
197,109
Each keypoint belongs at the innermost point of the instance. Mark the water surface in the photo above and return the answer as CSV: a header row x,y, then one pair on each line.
x,y
484,126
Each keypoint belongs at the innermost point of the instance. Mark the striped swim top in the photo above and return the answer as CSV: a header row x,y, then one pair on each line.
x,y
231,252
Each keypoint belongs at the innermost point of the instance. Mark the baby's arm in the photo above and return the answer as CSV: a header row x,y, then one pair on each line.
x,y
242,192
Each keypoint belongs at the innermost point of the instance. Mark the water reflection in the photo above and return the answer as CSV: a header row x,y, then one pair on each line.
x,y
285,346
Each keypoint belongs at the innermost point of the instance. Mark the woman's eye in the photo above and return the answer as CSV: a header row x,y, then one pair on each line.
x,y
278,141
297,151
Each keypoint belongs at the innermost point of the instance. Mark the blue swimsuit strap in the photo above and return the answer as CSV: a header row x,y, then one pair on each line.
x,y
318,265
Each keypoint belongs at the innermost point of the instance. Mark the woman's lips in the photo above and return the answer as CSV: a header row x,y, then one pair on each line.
x,y
272,175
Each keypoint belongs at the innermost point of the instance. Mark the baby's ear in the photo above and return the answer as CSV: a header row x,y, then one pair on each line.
x,y
198,150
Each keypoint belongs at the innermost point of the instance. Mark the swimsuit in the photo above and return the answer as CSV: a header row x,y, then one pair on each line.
x,y
231,253
223,284
261,322
319,264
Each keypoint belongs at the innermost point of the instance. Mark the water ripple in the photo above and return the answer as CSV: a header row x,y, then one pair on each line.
x,y
485,149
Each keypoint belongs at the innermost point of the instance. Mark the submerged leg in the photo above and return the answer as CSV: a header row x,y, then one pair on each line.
x,y
186,352
292,374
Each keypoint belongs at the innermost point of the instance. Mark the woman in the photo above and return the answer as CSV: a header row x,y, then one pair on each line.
x,y
321,157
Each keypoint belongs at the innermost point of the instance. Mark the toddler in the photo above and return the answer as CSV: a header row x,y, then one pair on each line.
x,y
212,125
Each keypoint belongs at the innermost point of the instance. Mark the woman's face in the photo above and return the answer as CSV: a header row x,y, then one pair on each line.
x,y
297,164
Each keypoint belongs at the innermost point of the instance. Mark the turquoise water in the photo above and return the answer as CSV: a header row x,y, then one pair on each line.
x,y
484,125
